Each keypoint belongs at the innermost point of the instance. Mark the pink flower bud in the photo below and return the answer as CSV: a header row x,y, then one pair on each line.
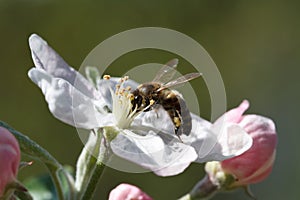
x,y
256,163
9,158
128,192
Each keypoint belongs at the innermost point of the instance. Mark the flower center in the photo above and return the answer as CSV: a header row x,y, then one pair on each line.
x,y
122,106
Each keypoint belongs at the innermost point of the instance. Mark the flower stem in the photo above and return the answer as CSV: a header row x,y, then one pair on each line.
x,y
90,164
93,182
34,150
204,189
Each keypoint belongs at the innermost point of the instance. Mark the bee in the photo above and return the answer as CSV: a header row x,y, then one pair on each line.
x,y
156,93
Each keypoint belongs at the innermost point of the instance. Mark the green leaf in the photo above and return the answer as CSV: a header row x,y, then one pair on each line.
x,y
56,170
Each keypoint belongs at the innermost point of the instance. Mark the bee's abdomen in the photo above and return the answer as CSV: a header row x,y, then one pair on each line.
x,y
178,112
186,118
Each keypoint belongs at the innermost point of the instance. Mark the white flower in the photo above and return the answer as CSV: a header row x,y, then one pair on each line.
x,y
145,138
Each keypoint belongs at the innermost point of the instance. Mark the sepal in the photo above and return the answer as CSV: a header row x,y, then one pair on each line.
x,y
15,189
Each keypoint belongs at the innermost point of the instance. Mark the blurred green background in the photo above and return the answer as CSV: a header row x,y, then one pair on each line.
x,y
255,45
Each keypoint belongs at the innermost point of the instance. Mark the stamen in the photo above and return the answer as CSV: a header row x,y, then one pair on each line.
x,y
122,106
123,79
106,77
133,113
117,89
128,88
130,96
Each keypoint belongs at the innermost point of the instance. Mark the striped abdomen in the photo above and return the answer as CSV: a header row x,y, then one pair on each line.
x,y
177,110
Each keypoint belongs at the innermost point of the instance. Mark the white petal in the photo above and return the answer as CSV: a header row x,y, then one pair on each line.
x,y
44,57
68,104
157,119
163,155
217,142
200,126
201,138
232,141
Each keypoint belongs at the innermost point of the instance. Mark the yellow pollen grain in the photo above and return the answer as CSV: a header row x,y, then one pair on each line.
x,y
122,90
128,88
106,77
152,102
117,88
176,121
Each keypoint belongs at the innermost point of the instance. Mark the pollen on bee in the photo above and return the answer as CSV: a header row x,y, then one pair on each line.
x,y
152,102
176,121
106,77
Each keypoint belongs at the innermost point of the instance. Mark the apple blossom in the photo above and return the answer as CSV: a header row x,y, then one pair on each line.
x,y
9,159
128,192
252,166
139,137
256,163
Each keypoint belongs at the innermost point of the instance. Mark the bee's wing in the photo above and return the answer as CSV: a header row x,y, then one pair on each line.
x,y
180,80
167,72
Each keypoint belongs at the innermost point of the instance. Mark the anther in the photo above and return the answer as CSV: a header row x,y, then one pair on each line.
x,y
130,96
106,77
128,88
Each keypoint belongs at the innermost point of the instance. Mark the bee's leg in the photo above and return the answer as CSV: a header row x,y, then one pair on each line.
x,y
178,137
178,129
